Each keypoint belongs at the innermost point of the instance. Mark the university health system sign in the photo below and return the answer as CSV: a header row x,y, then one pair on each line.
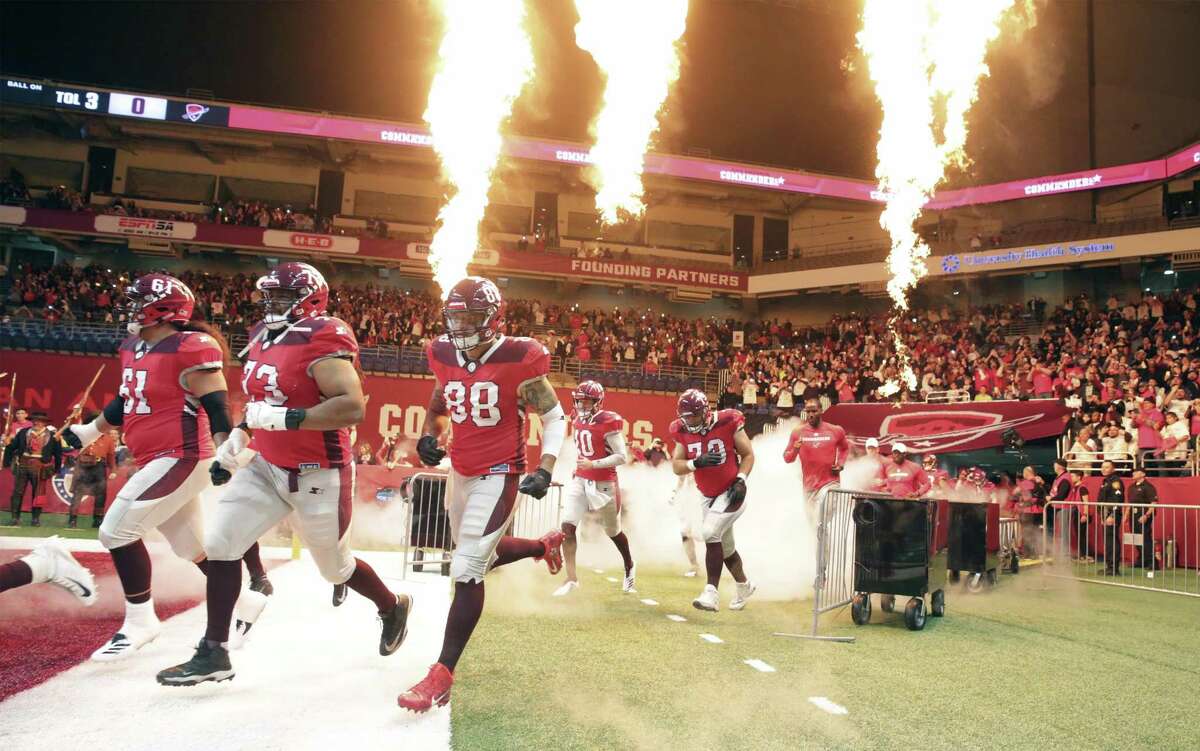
x,y
967,262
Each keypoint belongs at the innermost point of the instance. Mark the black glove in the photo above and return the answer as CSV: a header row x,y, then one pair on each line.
x,y
536,484
711,459
427,449
736,493
72,439
219,474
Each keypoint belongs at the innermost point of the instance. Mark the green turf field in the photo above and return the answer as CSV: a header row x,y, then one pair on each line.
x,y
52,524
1036,664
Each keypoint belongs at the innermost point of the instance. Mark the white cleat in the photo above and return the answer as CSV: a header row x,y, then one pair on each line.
x,y
708,600
249,607
691,573
743,593
627,585
567,588
63,570
127,640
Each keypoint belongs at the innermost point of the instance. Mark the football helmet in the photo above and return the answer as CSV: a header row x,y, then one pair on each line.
x,y
291,292
694,412
930,461
472,312
157,298
587,390
977,477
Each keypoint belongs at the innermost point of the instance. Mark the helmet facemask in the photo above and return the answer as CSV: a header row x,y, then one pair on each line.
x,y
279,305
697,422
586,407
468,329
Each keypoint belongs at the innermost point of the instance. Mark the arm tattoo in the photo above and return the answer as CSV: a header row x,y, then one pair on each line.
x,y
539,394
437,400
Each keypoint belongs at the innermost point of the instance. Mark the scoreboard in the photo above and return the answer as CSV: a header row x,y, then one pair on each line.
x,y
101,102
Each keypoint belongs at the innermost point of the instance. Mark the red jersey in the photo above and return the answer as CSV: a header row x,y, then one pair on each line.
x,y
820,449
715,480
484,401
591,439
162,418
279,371
903,480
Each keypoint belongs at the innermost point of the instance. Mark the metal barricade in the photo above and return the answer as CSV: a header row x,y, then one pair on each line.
x,y
833,586
1169,464
1010,539
428,543
427,539
1153,547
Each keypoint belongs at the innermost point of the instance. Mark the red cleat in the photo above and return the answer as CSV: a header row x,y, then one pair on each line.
x,y
553,555
434,690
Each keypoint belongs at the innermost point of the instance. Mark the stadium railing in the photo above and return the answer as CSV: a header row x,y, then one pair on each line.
x,y
630,375
1120,545
949,396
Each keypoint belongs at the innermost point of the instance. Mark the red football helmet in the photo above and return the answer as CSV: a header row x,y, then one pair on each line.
x,y
694,412
472,312
157,298
977,477
291,292
584,391
930,461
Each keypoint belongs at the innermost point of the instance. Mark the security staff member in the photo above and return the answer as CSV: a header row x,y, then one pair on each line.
x,y
35,454
1143,496
1112,491
94,467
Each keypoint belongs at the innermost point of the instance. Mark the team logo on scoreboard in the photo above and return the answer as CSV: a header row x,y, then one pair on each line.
x,y
194,112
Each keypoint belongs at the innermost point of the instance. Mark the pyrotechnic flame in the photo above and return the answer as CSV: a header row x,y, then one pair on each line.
x,y
634,44
484,61
923,56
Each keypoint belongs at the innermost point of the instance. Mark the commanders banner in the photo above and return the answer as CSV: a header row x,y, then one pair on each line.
x,y
53,383
941,427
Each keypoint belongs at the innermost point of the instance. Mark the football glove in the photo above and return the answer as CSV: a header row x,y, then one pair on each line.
x,y
427,448
711,459
536,484
219,474
737,492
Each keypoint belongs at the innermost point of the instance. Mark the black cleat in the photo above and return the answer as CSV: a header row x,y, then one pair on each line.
x,y
395,625
339,594
262,584
210,663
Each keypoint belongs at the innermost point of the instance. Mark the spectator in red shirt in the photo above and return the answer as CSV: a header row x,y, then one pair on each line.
x,y
904,478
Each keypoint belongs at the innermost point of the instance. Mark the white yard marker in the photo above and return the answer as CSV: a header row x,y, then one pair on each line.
x,y
612,579
760,666
677,618
824,704
648,601
712,638
598,570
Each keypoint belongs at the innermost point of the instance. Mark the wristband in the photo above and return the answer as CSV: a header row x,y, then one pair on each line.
x,y
293,418
691,465
741,477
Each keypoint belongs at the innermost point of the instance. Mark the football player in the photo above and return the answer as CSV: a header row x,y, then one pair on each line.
x,y
903,477
687,530
821,447
50,563
303,393
594,488
172,409
485,383
706,443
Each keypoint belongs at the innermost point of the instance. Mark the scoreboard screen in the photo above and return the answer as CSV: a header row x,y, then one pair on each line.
x,y
143,106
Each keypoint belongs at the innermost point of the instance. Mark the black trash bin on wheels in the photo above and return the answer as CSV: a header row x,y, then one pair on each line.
x,y
973,546
897,551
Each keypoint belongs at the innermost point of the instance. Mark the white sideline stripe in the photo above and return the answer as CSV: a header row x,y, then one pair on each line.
x,y
712,638
648,601
599,571
676,618
760,666
611,579
824,704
